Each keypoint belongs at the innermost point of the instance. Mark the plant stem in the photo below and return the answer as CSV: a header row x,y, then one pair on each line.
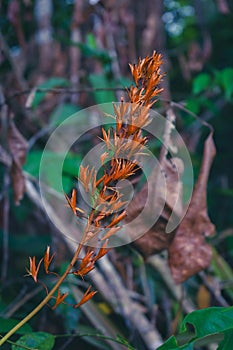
x,y
45,300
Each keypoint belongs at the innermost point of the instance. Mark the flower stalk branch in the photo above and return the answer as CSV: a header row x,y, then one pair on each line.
x,y
123,145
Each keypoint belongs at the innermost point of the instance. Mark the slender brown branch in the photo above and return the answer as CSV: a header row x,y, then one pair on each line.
x,y
60,91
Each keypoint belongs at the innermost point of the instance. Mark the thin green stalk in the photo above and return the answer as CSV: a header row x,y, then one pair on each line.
x,y
44,301
97,335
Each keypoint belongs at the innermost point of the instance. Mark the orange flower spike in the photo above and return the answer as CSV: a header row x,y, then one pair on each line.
x,y
147,73
107,178
72,204
119,117
98,182
85,270
33,269
100,217
134,94
48,259
86,265
72,201
86,296
135,150
106,138
134,72
110,232
103,250
87,259
126,169
131,129
103,157
117,205
59,299
117,219
90,175
83,171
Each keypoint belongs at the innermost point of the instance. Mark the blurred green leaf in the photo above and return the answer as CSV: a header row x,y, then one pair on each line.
x,y
91,41
227,82
201,82
89,51
51,159
48,84
193,105
124,82
100,81
35,340
7,324
125,342
61,113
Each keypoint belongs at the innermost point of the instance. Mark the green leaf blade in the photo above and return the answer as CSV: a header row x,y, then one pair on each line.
x,y
35,340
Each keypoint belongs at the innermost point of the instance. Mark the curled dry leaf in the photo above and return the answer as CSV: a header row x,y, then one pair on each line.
x,y
18,147
156,239
189,253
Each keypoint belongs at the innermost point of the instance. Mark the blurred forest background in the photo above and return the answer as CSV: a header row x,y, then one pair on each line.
x,y
58,57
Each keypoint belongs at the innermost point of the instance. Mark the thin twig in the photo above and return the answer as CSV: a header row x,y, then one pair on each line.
x,y
61,91
42,132
213,290
97,319
180,106
66,343
167,143
130,309
161,266
23,301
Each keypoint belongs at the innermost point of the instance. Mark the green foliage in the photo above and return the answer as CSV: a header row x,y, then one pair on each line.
x,y
48,84
71,319
201,83
35,340
6,324
222,80
213,322
93,52
35,244
61,113
206,87
227,82
70,168
100,81
226,344
89,49
96,339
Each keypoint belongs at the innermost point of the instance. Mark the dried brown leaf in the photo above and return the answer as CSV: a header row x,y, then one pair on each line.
x,y
156,239
189,253
18,147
